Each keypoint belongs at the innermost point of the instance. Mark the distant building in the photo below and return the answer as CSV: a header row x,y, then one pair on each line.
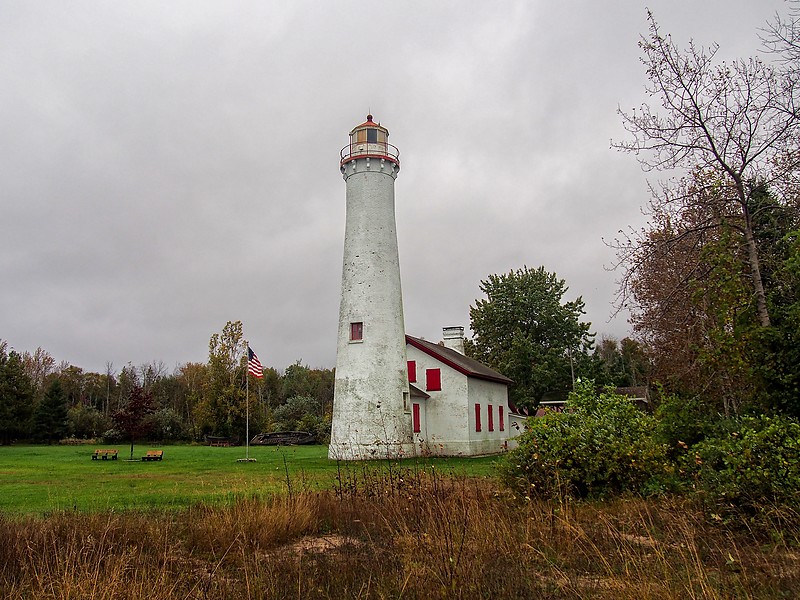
x,y
556,402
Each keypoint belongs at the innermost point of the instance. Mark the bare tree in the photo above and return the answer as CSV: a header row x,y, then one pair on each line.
x,y
38,366
781,37
735,123
151,372
109,377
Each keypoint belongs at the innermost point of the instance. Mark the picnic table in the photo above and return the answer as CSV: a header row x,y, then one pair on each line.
x,y
100,454
153,455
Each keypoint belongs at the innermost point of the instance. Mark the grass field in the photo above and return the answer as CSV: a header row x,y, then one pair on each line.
x,y
205,527
42,479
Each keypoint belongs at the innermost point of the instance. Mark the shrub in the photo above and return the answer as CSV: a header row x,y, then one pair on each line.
x,y
303,413
682,423
167,425
85,422
751,466
113,436
600,445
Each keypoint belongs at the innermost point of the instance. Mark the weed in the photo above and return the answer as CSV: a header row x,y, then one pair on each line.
x,y
414,534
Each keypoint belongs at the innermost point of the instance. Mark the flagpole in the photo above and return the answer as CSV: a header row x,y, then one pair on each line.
x,y
257,371
247,405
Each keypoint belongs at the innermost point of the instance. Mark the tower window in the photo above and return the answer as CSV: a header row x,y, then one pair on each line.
x,y
356,331
372,136
433,380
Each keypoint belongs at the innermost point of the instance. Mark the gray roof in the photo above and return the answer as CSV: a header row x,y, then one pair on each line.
x,y
416,392
463,364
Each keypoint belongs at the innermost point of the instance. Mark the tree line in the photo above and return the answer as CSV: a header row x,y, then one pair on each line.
x,y
43,401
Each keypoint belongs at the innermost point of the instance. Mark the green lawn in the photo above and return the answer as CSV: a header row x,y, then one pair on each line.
x,y
40,479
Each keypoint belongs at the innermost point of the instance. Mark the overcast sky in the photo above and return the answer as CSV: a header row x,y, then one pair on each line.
x,y
166,167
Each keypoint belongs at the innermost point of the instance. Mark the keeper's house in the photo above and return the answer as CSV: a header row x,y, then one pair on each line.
x,y
459,406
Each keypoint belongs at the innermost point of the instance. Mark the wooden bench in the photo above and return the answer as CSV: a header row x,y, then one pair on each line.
x,y
104,454
153,455
223,442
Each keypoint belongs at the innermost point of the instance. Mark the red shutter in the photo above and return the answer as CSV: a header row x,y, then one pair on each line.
x,y
491,417
502,418
477,417
412,371
433,380
415,406
356,331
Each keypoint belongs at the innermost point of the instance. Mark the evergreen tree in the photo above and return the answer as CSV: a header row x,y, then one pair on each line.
x,y
50,419
16,396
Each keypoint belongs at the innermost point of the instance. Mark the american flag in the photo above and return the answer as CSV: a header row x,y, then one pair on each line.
x,y
253,364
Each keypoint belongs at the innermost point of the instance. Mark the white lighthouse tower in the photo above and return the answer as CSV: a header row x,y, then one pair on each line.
x,y
371,416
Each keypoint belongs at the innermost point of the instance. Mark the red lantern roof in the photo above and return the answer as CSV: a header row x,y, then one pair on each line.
x,y
368,123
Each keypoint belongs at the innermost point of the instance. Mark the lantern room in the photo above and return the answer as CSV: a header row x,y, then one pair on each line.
x,y
370,140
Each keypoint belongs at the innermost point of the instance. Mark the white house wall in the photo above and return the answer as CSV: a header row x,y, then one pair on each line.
x,y
448,416
445,415
486,394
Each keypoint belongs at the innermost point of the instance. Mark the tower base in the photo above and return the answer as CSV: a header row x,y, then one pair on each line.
x,y
376,451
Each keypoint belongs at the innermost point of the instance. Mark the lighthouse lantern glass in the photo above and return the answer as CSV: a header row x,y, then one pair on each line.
x,y
370,135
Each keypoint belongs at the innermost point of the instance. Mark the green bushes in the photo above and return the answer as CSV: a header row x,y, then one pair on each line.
x,y
681,423
86,422
303,413
751,466
601,445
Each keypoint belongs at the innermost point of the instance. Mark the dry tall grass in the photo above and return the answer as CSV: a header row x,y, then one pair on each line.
x,y
391,535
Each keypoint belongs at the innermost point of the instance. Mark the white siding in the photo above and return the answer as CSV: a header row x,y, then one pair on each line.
x,y
488,393
450,413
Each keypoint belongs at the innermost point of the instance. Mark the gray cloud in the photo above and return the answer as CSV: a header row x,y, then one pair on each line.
x,y
166,167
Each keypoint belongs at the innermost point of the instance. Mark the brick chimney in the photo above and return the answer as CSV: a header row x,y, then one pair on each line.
x,y
453,338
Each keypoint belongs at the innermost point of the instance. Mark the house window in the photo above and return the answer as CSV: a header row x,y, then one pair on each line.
x,y
433,380
356,331
412,371
491,417
502,418
415,419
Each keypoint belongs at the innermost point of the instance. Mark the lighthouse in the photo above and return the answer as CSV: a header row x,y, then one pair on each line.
x,y
371,413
